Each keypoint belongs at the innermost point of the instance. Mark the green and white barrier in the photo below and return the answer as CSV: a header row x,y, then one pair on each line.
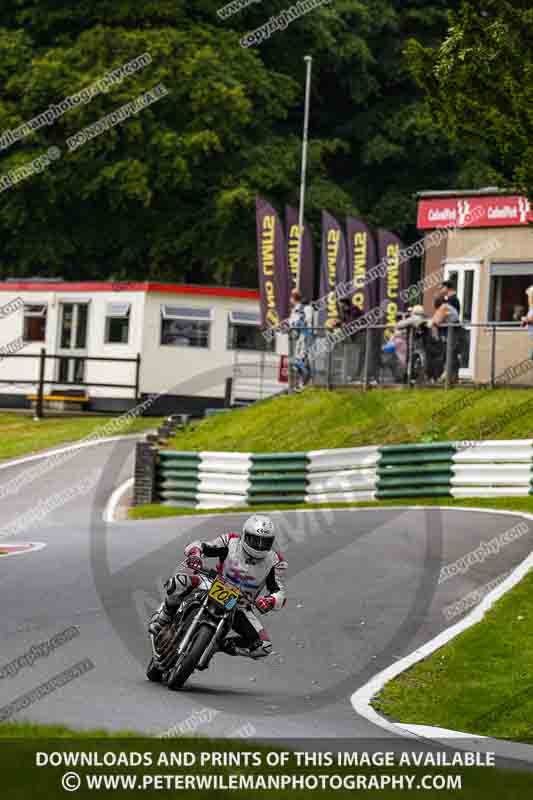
x,y
223,480
448,469
457,469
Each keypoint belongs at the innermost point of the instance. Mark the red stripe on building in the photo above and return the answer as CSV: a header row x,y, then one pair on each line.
x,y
115,286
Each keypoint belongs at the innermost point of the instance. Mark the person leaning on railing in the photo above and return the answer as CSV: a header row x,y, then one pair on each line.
x,y
446,315
354,353
527,321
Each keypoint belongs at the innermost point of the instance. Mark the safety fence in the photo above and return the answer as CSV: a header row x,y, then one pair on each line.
x,y
488,353
224,480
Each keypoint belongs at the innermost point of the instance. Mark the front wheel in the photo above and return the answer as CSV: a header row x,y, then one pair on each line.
x,y
187,662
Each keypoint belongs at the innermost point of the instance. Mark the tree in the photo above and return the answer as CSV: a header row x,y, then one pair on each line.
x,y
169,193
479,82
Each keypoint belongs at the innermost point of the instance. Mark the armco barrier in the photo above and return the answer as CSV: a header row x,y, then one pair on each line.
x,y
417,470
456,469
223,480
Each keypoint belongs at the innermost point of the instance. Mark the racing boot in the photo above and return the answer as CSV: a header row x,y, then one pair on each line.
x,y
160,619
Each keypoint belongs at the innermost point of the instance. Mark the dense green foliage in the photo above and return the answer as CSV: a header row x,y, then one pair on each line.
x,y
479,82
170,192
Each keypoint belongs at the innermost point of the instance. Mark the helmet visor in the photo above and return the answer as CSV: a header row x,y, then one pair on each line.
x,y
260,543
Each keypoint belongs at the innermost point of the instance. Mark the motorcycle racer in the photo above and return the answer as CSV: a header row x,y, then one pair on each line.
x,y
247,559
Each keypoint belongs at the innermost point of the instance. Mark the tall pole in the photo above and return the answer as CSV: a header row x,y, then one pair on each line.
x,y
309,61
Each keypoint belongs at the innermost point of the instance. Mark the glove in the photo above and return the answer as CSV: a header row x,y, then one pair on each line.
x,y
265,604
193,559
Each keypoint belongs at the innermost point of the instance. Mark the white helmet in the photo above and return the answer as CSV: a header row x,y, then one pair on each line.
x,y
257,536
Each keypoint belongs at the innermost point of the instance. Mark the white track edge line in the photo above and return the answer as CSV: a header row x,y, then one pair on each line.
x,y
114,500
79,446
362,697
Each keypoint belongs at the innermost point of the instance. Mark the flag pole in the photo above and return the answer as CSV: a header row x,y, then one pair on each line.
x,y
309,61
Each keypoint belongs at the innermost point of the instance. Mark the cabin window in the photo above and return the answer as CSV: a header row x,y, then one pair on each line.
x,y
34,322
185,327
117,323
244,332
508,284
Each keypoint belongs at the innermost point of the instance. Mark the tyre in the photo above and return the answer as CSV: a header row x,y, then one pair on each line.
x,y
153,674
187,662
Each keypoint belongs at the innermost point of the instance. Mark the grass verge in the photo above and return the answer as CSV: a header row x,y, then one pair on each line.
x,y
318,419
478,683
500,503
21,435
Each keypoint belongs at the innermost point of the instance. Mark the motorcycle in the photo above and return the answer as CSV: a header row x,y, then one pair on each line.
x,y
197,632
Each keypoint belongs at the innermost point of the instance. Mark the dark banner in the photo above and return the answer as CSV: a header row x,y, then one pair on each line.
x,y
272,265
307,266
361,259
333,268
394,280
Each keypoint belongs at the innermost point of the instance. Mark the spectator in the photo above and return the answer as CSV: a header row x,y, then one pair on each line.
x,y
417,317
354,343
449,294
527,321
418,321
300,323
445,315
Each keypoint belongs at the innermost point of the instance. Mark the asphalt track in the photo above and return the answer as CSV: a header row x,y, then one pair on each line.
x,y
363,592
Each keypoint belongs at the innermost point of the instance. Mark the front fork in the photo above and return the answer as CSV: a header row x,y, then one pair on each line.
x,y
192,627
210,649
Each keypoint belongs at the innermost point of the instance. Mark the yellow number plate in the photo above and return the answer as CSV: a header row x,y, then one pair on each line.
x,y
224,594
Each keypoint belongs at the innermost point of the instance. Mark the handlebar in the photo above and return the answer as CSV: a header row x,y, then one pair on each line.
x,y
209,573
212,574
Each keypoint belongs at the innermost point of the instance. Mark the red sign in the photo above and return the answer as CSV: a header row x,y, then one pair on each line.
x,y
474,212
283,371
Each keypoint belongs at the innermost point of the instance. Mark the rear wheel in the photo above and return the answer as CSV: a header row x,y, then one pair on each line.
x,y
187,662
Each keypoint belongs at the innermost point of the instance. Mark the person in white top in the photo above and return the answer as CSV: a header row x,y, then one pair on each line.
x,y
527,321
301,322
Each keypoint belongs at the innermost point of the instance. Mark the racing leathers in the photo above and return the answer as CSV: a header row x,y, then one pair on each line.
x,y
261,582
